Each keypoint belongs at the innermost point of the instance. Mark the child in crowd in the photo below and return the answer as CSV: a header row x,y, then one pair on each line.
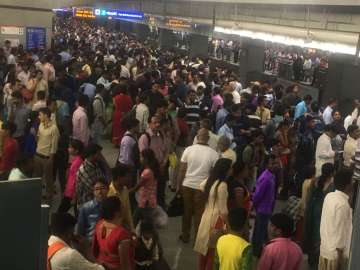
x,y
147,249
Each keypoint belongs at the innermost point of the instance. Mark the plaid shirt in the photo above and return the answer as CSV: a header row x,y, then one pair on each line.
x,y
292,208
86,176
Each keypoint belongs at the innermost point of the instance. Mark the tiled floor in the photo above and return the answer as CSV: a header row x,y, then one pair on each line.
x,y
178,255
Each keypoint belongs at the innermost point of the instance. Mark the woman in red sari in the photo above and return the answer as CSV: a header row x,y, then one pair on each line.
x,y
122,105
112,244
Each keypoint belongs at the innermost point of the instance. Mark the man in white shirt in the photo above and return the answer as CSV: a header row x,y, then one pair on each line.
x,y
48,69
105,80
327,114
11,59
24,74
196,83
142,113
60,253
351,145
235,94
196,164
348,121
237,85
124,72
336,224
324,152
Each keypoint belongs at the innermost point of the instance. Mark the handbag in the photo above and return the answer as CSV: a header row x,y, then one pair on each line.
x,y
160,218
173,160
176,207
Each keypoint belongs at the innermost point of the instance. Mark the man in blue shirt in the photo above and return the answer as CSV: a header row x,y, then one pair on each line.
x,y
90,212
302,107
227,129
88,89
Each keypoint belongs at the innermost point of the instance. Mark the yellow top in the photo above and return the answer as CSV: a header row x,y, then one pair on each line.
x,y
123,195
231,253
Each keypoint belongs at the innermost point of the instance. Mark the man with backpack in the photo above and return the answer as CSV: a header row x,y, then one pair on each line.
x,y
154,139
253,155
98,114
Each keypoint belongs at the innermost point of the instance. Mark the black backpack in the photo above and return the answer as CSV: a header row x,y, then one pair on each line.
x,y
135,151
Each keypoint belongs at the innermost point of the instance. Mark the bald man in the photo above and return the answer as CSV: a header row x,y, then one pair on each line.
x,y
196,164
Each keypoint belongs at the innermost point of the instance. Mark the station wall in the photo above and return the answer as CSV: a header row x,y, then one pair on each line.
x,y
23,17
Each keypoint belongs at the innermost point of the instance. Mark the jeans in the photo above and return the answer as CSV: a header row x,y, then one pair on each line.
x,y
260,234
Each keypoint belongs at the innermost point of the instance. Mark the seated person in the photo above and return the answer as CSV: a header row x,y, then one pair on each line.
x,y
89,213
60,253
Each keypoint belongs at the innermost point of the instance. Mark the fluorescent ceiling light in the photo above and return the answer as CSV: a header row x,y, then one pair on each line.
x,y
290,41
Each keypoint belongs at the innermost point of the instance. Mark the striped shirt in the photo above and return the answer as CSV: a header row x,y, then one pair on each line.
x,y
356,175
192,113
87,175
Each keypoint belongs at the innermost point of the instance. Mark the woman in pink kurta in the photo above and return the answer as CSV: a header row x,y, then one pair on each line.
x,y
75,151
147,200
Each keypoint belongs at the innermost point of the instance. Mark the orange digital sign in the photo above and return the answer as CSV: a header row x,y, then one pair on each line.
x,y
84,13
178,23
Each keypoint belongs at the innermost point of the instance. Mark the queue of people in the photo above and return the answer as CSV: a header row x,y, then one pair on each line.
x,y
178,125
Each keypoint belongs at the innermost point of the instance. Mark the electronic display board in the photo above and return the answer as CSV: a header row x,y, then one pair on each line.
x,y
87,13
114,14
118,14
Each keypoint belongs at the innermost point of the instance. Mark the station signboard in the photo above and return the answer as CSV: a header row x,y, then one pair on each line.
x,y
111,14
178,23
35,37
84,12
118,14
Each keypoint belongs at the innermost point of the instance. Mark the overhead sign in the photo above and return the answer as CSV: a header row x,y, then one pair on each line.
x,y
12,30
35,37
87,13
178,23
115,14
118,14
